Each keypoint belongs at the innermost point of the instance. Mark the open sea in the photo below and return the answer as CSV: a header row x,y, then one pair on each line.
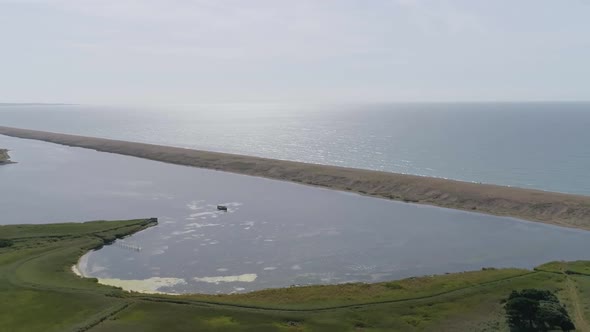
x,y
533,145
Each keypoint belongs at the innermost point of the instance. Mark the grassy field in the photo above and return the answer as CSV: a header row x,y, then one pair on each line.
x,y
38,292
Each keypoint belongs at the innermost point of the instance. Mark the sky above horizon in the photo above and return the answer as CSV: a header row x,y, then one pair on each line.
x,y
182,52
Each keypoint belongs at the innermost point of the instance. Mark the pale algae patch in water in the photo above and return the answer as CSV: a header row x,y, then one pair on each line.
x,y
77,271
155,284
248,277
150,285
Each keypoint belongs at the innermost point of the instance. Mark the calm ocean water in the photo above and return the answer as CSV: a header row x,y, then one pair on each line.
x,y
535,145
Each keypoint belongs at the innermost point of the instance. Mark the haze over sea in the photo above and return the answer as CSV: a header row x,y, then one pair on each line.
x,y
532,145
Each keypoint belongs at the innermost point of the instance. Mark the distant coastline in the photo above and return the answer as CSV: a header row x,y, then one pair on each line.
x,y
35,104
535,205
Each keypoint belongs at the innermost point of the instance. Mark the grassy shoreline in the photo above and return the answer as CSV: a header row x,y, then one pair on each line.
x,y
39,292
553,208
4,157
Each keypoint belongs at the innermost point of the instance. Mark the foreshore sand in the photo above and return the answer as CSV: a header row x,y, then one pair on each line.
x,y
535,205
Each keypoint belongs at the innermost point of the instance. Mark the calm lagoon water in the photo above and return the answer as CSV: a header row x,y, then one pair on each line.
x,y
275,234
534,145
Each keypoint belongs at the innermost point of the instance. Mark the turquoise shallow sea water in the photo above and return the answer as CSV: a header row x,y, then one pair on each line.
x,y
534,145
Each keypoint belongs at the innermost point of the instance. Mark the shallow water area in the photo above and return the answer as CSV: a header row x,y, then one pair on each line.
x,y
274,234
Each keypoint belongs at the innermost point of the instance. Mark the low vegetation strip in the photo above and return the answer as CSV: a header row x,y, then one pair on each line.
x,y
330,297
38,292
555,208
305,305
576,267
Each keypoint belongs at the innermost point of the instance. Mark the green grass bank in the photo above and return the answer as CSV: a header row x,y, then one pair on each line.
x,y
39,292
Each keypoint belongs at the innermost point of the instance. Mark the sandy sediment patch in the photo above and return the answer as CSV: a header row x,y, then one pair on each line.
x,y
249,277
77,271
150,285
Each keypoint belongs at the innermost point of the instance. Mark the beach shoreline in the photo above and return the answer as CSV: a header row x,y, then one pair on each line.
x,y
560,209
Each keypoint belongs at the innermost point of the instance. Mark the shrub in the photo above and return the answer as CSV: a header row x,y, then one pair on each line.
x,y
5,243
393,285
536,310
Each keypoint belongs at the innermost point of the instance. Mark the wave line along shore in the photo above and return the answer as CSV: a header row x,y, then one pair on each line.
x,y
536,205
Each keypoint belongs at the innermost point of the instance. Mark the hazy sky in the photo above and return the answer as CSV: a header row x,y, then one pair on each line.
x,y
181,51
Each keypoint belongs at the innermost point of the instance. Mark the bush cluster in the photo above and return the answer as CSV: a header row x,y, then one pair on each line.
x,y
5,243
536,310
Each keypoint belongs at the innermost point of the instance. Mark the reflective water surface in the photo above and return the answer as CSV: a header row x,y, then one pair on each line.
x,y
531,145
274,234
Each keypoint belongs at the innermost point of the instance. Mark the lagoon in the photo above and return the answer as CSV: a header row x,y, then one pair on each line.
x,y
275,234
